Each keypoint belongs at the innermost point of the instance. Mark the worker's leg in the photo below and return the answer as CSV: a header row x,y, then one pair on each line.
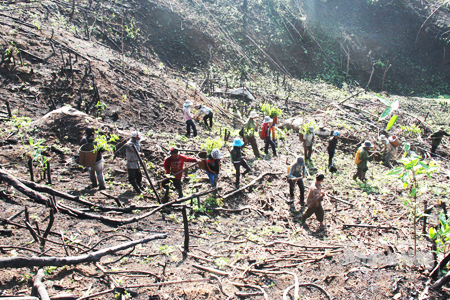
x,y
92,177
330,159
132,179
166,185
308,213
291,188
266,146
274,147
98,167
319,213
254,144
205,120
310,151
237,166
302,191
188,128
433,150
139,178
246,166
178,186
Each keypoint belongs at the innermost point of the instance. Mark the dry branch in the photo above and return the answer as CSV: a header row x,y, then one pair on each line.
x,y
39,287
20,262
251,183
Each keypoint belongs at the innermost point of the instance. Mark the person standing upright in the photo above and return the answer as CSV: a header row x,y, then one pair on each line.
x,y
249,133
188,118
266,135
361,159
308,141
296,174
96,171
332,143
134,172
314,201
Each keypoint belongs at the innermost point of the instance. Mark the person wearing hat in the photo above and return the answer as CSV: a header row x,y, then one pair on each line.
x,y
188,118
363,158
173,166
249,132
96,171
296,175
436,139
332,143
314,201
238,160
266,135
134,172
388,152
213,166
208,114
308,141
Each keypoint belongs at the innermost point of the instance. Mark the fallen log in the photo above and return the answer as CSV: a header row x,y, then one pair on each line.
x,y
251,183
367,226
21,262
338,199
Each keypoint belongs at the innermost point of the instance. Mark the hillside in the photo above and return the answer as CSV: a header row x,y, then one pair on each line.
x,y
125,66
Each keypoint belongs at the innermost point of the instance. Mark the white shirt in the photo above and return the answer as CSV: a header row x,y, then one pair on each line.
x,y
204,110
308,139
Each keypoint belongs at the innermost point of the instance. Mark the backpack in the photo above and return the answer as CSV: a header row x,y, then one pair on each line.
x,y
264,133
357,160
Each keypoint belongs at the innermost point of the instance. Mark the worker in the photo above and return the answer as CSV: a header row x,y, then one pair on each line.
x,y
208,114
436,139
332,143
249,132
308,141
266,135
296,175
314,201
213,166
134,172
273,128
188,118
362,156
389,150
96,171
173,166
238,160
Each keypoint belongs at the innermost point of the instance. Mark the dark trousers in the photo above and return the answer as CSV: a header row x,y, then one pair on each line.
x,y
308,151
190,123
318,211
433,150
178,186
237,166
300,184
361,174
208,116
268,142
330,158
135,179
252,141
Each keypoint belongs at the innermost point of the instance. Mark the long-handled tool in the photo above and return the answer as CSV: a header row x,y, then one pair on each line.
x,y
146,174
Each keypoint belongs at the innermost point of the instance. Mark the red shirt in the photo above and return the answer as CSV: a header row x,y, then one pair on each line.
x,y
173,166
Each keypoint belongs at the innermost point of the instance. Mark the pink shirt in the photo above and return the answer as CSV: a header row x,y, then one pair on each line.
x,y
187,113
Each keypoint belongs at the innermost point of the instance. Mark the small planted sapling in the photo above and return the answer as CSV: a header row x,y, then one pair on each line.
x,y
412,173
391,106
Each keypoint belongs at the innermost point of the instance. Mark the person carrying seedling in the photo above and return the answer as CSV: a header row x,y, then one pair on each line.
x,y
314,201
332,143
436,139
308,141
238,160
188,117
361,159
174,165
266,135
249,132
208,114
388,152
96,171
296,175
134,172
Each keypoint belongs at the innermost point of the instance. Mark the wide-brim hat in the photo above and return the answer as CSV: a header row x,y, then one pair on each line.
x,y
368,144
188,103
134,134
267,119
253,114
238,143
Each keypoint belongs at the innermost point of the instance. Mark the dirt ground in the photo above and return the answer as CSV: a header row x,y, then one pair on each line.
x,y
253,240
